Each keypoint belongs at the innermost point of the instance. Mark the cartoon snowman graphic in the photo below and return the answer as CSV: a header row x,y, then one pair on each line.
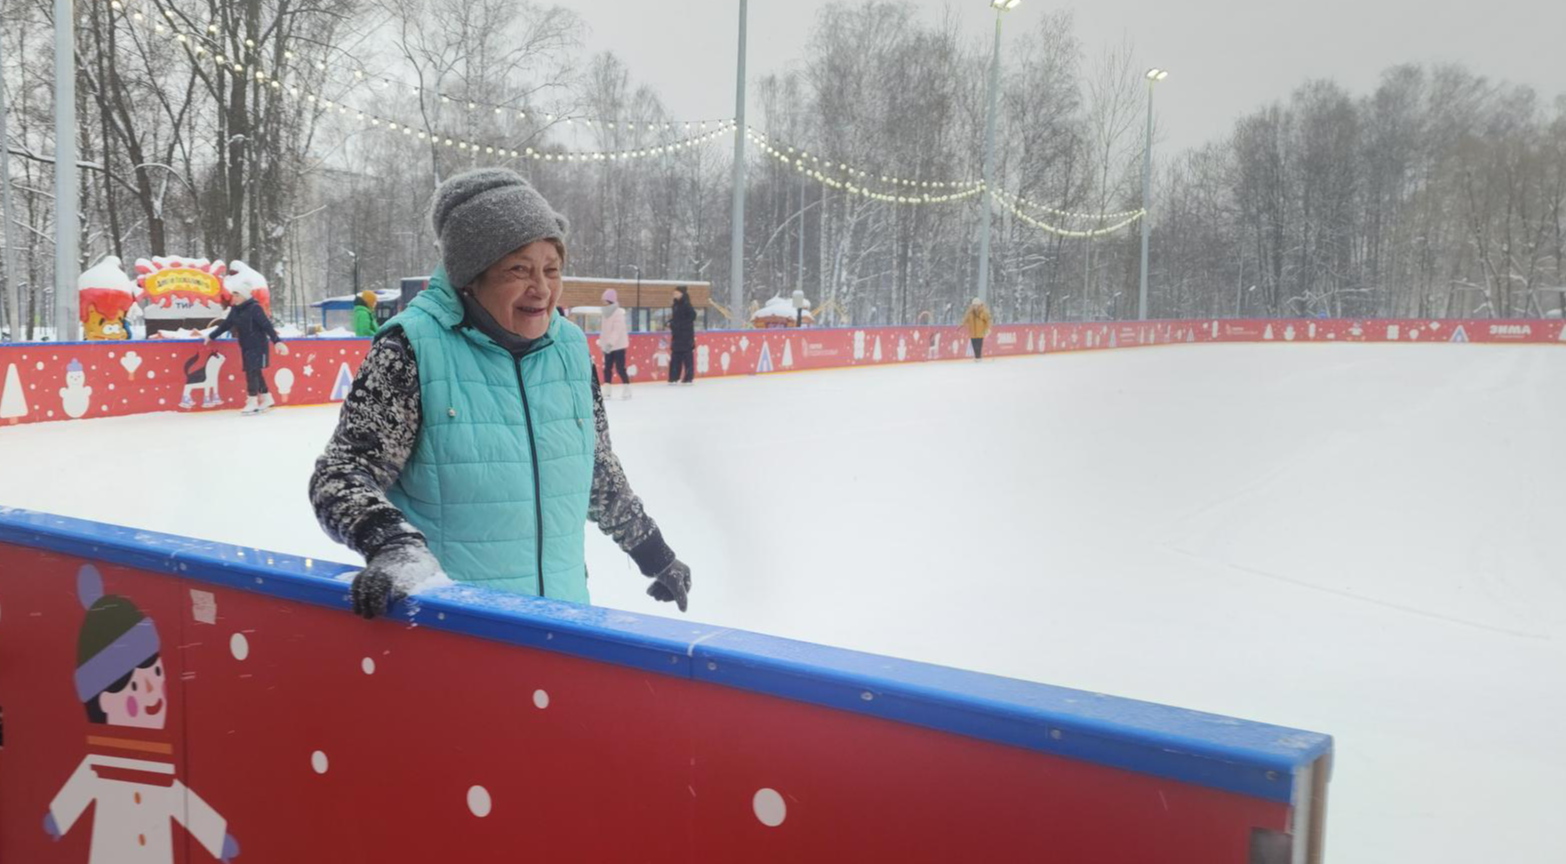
x,y
128,776
75,398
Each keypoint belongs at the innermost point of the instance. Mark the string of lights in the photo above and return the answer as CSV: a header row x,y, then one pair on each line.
x,y
858,180
205,47
1010,203
705,131
209,40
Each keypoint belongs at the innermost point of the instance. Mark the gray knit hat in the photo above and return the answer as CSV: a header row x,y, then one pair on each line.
x,y
483,215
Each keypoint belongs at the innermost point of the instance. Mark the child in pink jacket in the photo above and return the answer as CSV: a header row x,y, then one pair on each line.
x,y
613,339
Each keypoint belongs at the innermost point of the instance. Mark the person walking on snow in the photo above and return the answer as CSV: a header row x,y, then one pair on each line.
x,y
364,314
613,339
682,339
474,441
976,323
256,336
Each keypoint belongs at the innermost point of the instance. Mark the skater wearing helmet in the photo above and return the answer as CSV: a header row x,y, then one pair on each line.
x,y
256,336
613,339
976,323
474,441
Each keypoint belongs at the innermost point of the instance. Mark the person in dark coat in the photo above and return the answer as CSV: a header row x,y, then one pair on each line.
x,y
256,335
682,341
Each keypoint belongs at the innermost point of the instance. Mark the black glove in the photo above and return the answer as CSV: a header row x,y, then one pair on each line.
x,y
672,583
393,573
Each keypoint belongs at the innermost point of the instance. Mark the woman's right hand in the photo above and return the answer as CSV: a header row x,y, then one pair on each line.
x,y
393,573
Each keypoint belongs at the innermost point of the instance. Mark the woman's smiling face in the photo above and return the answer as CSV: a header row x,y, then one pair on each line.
x,y
521,290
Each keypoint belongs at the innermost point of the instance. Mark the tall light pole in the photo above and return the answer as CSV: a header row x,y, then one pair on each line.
x,y
737,242
65,227
7,230
1000,6
1153,77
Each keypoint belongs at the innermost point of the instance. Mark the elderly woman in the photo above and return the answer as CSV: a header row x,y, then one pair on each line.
x,y
474,440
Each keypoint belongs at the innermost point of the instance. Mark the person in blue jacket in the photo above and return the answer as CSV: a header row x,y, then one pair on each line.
x,y
256,336
474,441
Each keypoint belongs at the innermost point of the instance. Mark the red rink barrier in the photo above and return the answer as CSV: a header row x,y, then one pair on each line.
x,y
44,381
257,716
40,382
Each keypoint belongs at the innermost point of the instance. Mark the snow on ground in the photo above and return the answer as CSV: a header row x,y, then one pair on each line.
x,y
1363,540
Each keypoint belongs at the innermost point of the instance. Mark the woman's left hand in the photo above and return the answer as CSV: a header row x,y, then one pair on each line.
x,y
673,583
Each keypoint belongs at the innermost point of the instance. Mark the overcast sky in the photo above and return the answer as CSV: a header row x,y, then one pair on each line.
x,y
1225,56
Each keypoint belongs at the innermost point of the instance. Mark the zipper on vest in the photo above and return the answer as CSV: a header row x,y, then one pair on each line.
x,y
538,500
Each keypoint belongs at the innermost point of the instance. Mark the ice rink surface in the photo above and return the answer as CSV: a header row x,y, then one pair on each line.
x,y
1362,540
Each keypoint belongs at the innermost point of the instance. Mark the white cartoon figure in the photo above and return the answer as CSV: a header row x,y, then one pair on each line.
x,y
74,397
205,380
1288,333
704,360
129,782
859,344
902,348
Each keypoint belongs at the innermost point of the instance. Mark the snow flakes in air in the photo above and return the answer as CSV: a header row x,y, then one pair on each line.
x,y
318,762
368,665
541,699
478,801
769,807
239,646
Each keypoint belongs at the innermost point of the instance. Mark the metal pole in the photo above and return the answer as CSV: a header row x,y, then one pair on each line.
x,y
65,228
737,243
989,168
1147,186
8,229
799,273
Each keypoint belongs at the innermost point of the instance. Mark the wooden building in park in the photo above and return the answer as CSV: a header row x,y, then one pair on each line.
x,y
646,301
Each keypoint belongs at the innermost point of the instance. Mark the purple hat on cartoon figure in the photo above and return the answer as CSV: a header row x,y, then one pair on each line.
x,y
115,637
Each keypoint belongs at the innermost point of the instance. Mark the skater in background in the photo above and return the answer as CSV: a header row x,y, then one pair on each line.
x,y
256,335
976,323
682,339
613,339
474,441
364,314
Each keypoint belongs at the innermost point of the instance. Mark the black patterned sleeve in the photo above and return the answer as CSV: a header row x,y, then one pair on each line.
x,y
375,437
615,508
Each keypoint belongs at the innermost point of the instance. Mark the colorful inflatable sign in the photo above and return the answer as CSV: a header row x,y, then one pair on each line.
x,y
105,295
182,293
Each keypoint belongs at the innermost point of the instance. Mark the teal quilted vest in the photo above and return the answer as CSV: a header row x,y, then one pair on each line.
x,y
499,480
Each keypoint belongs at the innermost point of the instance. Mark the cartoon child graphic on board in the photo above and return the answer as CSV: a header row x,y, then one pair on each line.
x,y
128,775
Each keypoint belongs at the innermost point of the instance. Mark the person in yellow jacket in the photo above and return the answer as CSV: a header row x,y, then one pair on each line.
x,y
976,323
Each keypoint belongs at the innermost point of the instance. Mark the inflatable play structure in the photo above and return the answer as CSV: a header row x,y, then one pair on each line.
x,y
169,700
